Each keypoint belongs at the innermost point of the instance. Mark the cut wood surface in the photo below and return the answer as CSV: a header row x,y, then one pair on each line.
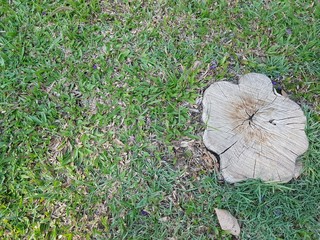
x,y
256,132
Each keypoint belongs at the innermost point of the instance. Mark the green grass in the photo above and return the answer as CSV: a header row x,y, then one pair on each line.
x,y
95,97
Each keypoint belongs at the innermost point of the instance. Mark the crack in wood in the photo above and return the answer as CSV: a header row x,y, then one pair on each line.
x,y
228,148
262,128
272,121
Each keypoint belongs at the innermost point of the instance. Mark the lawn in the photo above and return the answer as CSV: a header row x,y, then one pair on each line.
x,y
100,108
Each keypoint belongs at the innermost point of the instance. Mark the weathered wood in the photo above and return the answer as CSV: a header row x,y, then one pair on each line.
x,y
256,132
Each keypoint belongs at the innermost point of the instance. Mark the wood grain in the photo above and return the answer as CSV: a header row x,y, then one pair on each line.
x,y
256,132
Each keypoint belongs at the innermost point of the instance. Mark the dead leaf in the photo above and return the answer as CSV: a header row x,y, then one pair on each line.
x,y
228,222
186,144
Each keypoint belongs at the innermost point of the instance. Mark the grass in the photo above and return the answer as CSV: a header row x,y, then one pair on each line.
x,y
96,97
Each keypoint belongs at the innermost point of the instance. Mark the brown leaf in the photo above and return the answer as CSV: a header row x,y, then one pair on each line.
x,y
228,222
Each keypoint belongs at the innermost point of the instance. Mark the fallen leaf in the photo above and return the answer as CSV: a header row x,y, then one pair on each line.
x,y
184,144
228,222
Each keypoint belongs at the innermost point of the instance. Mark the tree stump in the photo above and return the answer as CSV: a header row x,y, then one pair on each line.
x,y
256,132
